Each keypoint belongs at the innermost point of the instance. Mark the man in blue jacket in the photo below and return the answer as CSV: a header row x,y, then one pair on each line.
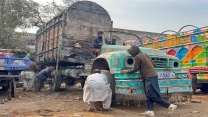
x,y
42,76
97,43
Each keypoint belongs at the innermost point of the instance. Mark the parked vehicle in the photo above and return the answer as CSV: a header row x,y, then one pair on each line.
x,y
10,69
190,47
56,47
59,40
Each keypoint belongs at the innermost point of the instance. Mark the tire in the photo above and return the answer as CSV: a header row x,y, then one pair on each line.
x,y
83,82
194,83
111,81
5,88
57,84
204,88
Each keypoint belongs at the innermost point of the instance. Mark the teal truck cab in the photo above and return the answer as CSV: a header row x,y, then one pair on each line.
x,y
174,85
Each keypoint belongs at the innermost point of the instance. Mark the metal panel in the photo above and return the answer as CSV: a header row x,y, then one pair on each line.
x,y
85,18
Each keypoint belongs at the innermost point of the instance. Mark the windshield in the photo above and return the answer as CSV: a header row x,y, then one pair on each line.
x,y
122,38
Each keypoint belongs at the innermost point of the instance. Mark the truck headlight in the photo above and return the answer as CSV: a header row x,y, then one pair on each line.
x,y
130,61
175,64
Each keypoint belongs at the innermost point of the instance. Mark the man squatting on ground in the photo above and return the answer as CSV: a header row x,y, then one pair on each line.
x,y
28,76
97,89
144,64
42,76
97,43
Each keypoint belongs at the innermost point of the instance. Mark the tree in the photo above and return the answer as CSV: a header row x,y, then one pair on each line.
x,y
15,14
48,11
24,14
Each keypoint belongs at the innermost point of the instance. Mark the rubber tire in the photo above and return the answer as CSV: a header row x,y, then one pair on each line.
x,y
5,88
58,82
111,81
204,88
194,81
83,82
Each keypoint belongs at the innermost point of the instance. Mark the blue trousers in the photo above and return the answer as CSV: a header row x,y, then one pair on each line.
x,y
152,92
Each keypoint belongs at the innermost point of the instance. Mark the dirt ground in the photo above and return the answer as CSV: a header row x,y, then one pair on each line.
x,y
68,103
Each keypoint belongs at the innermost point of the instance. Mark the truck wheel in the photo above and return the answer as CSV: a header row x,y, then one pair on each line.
x,y
83,82
204,88
194,83
111,81
57,84
12,89
5,88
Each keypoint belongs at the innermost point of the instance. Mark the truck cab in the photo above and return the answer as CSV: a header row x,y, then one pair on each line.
x,y
190,47
174,84
10,69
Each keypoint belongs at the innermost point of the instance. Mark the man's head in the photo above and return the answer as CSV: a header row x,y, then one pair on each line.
x,y
134,50
96,71
100,34
51,68
32,59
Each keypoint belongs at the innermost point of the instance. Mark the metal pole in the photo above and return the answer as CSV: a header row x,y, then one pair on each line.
x,y
111,30
59,49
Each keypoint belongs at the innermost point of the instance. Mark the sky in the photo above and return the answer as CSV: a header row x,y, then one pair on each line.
x,y
152,15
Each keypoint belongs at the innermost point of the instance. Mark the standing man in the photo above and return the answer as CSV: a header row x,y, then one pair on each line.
x,y
97,89
42,76
144,64
28,76
97,43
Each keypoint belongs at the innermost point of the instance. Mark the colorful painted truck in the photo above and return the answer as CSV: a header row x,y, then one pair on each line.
x,y
10,69
190,47
68,47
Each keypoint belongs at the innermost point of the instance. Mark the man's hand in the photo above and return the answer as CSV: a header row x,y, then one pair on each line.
x,y
100,43
124,71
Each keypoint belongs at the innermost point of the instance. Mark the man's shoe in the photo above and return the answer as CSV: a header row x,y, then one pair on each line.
x,y
171,109
148,114
24,88
91,110
105,110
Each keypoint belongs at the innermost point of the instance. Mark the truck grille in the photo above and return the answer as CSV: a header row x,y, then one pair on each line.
x,y
159,62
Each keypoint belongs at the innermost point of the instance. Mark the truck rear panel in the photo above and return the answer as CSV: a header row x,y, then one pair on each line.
x,y
57,38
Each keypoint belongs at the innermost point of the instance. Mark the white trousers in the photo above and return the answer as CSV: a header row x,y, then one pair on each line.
x,y
28,78
106,102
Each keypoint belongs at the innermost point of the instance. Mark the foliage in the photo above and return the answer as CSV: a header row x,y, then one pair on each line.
x,y
48,11
9,39
24,14
15,14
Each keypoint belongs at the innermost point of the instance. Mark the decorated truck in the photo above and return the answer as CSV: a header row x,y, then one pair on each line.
x,y
10,69
190,47
66,42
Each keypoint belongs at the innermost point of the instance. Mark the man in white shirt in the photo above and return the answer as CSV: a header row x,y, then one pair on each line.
x,y
97,89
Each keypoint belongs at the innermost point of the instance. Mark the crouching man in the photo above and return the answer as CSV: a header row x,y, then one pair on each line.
x,y
28,76
42,76
97,89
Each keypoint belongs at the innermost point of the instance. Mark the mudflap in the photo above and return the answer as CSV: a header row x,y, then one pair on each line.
x,y
13,87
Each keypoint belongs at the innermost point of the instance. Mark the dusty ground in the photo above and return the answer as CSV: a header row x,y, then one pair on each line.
x,y
68,103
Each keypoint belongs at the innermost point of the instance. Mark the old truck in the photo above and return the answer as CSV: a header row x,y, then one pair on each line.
x,y
190,47
10,69
65,42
